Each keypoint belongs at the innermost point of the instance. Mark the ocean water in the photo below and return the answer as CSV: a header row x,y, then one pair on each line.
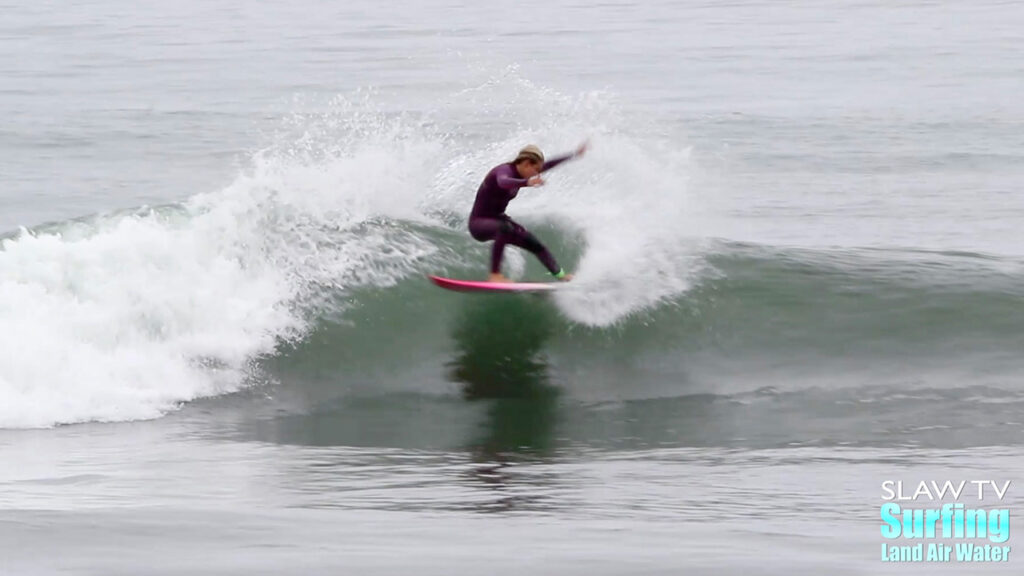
x,y
798,258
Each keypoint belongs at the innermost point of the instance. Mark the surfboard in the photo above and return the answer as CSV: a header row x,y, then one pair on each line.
x,y
492,287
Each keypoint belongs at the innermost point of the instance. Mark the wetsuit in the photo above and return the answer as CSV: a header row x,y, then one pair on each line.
x,y
488,220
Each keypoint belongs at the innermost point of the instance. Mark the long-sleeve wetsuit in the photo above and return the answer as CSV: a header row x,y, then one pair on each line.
x,y
488,220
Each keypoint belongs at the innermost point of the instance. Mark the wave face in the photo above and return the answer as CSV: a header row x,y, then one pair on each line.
x,y
312,262
751,316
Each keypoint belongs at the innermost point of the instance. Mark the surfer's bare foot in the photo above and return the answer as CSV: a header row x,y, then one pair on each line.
x,y
497,277
566,278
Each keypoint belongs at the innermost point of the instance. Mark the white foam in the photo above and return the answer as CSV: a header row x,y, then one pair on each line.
x,y
127,316
129,321
642,234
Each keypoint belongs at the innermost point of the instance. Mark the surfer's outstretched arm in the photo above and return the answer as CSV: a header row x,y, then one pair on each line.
x,y
580,151
507,177
555,162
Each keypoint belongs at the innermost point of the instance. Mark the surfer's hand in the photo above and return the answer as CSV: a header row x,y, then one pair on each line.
x,y
535,181
582,149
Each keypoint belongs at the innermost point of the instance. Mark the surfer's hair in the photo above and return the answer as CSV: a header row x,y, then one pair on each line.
x,y
531,153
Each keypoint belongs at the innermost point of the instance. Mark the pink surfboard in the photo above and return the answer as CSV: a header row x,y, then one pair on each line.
x,y
493,287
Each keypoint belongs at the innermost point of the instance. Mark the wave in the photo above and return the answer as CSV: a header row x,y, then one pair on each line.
x,y
312,261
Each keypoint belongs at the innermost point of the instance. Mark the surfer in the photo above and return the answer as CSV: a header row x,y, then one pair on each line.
x,y
488,220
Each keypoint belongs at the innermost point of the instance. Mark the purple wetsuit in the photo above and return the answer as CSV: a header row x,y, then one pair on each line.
x,y
488,220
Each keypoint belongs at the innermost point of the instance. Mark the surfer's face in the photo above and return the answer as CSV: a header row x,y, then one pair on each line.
x,y
528,168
